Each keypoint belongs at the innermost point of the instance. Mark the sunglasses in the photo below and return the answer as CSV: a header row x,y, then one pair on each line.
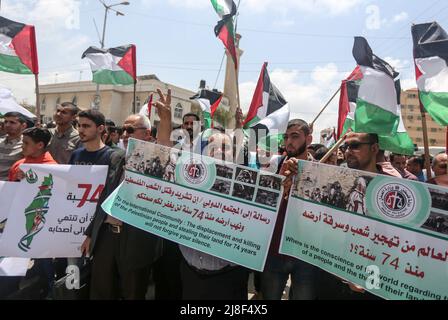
x,y
354,145
131,129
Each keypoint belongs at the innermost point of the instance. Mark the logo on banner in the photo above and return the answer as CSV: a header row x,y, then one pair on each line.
x,y
396,201
195,172
31,177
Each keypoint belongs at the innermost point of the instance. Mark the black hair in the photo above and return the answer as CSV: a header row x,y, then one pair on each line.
x,y
22,119
93,115
418,160
73,107
320,153
303,126
38,135
373,138
393,155
190,114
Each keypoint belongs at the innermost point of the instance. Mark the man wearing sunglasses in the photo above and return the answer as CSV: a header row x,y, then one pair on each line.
x,y
361,150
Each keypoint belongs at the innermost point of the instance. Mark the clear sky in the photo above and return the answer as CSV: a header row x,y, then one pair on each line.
x,y
307,43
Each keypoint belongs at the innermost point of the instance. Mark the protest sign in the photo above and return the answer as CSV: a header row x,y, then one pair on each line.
x,y
51,209
7,190
217,207
388,235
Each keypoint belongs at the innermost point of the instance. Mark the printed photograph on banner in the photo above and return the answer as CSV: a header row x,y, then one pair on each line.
x,y
245,175
270,182
243,191
344,188
437,222
268,198
439,198
222,186
224,171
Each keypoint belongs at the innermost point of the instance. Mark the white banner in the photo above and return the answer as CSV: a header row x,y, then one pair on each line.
x,y
51,209
7,190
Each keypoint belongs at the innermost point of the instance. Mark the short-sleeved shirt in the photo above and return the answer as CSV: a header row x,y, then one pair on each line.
x,y
90,158
61,146
10,152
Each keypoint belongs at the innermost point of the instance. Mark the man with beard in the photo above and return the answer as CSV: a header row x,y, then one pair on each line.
x,y
279,267
192,125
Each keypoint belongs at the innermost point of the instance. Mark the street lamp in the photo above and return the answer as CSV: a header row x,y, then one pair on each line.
x,y
118,13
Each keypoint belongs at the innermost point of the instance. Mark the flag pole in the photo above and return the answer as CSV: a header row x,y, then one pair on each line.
x,y
325,107
36,79
333,149
134,103
425,142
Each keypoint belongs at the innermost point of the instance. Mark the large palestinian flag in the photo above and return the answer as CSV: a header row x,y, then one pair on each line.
x,y
18,51
117,66
399,142
268,110
209,102
431,69
376,106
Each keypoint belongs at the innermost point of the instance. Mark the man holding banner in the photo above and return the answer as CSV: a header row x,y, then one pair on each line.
x,y
278,267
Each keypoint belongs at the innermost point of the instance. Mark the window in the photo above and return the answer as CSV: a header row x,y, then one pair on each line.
x,y
419,129
43,104
410,117
411,108
432,141
137,103
412,96
433,129
178,111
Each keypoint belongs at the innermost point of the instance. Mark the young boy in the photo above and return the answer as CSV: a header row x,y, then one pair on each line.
x,y
34,149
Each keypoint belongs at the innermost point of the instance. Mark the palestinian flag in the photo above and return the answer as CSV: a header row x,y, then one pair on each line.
x,y
18,51
224,7
209,102
376,106
268,110
225,31
347,101
399,143
117,66
431,69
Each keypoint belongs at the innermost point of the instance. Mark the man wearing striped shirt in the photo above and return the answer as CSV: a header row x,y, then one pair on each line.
x,y
11,144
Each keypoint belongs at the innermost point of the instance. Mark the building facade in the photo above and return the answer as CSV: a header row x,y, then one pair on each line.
x,y
116,102
412,118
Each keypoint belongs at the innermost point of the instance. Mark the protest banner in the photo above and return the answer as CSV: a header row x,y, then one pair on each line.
x,y
7,190
220,208
51,209
387,235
